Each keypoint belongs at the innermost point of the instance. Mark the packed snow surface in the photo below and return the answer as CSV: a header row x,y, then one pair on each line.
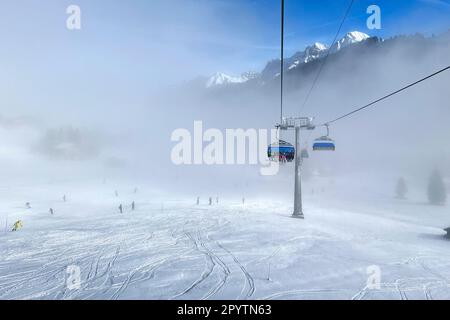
x,y
170,248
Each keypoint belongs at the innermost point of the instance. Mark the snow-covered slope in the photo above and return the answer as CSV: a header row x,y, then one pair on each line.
x,y
170,249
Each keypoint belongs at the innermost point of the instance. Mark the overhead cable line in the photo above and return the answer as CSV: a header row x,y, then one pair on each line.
x,y
386,96
282,61
324,61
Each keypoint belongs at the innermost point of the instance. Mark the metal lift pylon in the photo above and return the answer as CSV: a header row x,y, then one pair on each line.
x,y
297,124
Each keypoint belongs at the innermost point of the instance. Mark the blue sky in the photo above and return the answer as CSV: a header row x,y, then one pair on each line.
x,y
311,21
127,48
229,35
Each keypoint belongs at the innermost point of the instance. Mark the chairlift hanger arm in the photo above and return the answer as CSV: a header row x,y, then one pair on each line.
x,y
292,123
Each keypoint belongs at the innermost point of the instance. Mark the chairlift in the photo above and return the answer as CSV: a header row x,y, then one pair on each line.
x,y
281,151
304,154
324,143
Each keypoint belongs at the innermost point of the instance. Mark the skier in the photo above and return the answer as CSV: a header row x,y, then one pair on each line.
x,y
210,201
64,198
51,211
243,200
133,206
17,226
121,208
28,205
198,201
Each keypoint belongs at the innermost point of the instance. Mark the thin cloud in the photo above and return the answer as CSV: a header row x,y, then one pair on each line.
x,y
441,3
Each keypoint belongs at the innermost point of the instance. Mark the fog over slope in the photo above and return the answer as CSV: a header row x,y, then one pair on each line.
x,y
406,135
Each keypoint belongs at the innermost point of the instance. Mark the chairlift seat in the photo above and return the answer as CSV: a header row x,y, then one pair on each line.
x,y
281,151
305,154
324,144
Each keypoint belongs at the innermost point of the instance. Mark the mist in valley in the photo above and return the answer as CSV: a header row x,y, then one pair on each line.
x,y
94,124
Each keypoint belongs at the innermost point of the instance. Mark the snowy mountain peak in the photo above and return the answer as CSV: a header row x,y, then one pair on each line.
x,y
350,38
311,53
357,36
314,52
220,79
319,46
217,79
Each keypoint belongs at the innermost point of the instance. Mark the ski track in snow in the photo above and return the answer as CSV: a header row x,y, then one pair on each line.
x,y
222,252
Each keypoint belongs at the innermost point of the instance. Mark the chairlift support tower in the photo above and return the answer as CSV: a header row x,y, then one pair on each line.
x,y
297,124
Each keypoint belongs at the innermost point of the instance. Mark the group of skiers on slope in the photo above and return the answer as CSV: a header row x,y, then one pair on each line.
x,y
210,201
133,207
19,223
121,208
133,204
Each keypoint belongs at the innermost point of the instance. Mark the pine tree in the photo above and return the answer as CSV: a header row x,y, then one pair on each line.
x,y
401,189
437,194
